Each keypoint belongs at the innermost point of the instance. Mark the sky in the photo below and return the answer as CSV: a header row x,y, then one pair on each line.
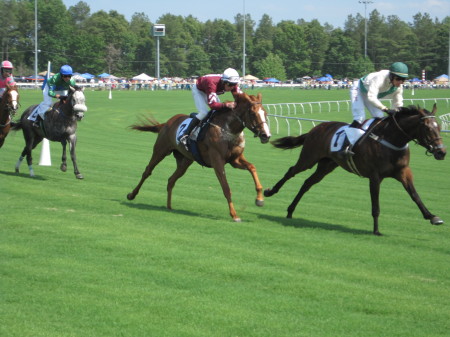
x,y
334,12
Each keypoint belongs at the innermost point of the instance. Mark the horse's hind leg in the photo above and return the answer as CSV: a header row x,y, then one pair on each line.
x,y
183,164
303,163
156,158
30,143
241,163
324,167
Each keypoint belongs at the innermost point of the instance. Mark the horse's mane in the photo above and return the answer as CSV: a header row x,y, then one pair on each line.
x,y
412,110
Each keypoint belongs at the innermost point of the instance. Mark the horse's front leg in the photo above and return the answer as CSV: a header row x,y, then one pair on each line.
x,y
241,163
63,166
375,198
219,169
406,178
73,156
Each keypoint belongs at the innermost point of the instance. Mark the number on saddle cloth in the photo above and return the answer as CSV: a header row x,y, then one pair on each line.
x,y
346,135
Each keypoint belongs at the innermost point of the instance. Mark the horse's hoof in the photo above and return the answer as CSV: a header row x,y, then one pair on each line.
x,y
130,196
237,220
63,167
16,170
267,192
79,176
259,203
436,221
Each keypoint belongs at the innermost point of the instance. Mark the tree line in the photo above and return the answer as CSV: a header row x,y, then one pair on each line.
x,y
106,42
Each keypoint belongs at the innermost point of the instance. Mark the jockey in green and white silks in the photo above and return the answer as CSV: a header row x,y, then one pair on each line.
x,y
368,91
56,86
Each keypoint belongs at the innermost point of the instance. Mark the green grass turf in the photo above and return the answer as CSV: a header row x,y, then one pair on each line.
x,y
78,259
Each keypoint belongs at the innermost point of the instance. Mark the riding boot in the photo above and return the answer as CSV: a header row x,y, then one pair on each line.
x,y
355,124
37,121
186,132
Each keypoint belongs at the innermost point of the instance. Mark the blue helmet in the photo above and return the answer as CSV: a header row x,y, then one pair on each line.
x,y
66,70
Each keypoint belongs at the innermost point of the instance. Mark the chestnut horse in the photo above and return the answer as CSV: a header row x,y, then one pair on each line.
x,y
223,143
60,125
384,153
8,107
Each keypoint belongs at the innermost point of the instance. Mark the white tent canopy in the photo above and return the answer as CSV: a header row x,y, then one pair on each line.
x,y
250,78
143,77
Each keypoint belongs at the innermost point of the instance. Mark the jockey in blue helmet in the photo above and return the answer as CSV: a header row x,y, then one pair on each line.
x,y
56,86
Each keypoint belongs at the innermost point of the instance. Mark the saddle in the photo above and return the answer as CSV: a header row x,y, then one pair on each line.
x,y
346,136
198,134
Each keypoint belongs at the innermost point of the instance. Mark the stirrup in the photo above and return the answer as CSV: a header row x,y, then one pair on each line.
x,y
346,153
183,140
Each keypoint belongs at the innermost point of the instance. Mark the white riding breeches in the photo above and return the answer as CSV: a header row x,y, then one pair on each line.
x,y
201,102
359,101
48,101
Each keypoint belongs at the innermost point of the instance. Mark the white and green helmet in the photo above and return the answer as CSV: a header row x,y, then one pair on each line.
x,y
400,69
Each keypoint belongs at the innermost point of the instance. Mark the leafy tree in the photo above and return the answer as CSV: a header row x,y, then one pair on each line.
x,y
220,43
271,66
426,33
290,44
54,32
318,42
144,58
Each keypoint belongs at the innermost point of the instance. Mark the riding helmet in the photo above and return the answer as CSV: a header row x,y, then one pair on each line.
x,y
66,70
7,65
230,75
400,69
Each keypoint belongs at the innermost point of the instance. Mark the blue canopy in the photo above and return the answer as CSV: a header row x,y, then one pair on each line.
x,y
104,75
443,76
87,76
271,80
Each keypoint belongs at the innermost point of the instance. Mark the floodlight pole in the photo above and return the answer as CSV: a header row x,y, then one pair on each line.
x,y
243,47
157,31
35,44
157,58
365,25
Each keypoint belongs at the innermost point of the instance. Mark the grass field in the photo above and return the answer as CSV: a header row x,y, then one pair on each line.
x,y
78,259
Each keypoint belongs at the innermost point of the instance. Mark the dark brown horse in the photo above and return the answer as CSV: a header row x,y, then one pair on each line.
x,y
60,125
8,107
223,143
383,154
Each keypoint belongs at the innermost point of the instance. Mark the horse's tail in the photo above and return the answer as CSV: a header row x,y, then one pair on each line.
x,y
289,142
149,125
15,126
148,128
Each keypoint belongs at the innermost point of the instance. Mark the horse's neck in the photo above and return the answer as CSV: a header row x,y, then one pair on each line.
x,y
235,122
398,133
229,121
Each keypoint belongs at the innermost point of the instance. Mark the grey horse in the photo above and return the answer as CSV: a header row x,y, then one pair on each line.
x,y
60,125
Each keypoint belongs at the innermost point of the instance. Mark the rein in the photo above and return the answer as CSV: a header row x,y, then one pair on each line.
x,y
384,142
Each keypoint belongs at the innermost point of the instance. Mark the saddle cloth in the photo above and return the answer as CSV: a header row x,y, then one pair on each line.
x,y
346,135
197,134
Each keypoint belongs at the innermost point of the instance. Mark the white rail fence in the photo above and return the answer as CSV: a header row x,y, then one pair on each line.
x,y
287,115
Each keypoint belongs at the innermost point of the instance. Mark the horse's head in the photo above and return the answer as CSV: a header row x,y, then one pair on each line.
x,y
425,130
77,101
10,99
253,115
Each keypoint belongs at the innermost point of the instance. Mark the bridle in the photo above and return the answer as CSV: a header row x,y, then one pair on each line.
x,y
430,149
7,105
252,126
